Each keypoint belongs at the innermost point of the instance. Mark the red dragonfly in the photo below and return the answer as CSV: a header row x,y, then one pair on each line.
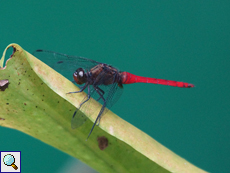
x,y
101,81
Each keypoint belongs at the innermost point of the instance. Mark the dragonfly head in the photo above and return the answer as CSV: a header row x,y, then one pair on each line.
x,y
80,76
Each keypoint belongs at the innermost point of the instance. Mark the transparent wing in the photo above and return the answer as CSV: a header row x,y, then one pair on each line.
x,y
67,65
64,64
79,118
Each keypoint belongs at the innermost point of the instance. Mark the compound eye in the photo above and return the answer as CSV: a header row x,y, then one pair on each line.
x,y
81,73
79,76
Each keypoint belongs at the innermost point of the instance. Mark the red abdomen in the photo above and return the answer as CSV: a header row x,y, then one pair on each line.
x,y
128,78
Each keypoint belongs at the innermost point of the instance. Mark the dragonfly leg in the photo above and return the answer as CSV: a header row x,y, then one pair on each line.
x,y
98,117
87,98
82,102
91,129
101,97
102,93
82,89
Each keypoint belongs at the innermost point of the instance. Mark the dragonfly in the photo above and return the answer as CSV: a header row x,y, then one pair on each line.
x,y
101,81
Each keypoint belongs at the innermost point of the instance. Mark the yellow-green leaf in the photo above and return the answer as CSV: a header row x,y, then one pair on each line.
x,y
34,100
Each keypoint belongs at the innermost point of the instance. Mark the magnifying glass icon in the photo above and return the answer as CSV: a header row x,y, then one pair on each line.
x,y
9,160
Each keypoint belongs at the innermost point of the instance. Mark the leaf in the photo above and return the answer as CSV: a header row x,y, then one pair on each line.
x,y
34,101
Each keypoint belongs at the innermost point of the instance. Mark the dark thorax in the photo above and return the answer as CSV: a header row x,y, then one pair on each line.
x,y
104,74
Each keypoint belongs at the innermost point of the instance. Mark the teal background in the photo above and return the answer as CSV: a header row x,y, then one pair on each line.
x,y
177,40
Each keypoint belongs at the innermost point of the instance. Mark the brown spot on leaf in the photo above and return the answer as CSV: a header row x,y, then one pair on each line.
x,y
4,84
102,142
2,118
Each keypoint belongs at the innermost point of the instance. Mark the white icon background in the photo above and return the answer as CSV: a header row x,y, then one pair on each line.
x,y
5,168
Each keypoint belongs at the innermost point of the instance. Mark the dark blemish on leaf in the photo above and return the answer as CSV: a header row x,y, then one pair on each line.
x,y
19,79
24,103
102,142
7,103
42,100
22,63
2,118
41,83
4,84
43,109
19,83
36,106
27,89
9,76
58,101
43,95
25,71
